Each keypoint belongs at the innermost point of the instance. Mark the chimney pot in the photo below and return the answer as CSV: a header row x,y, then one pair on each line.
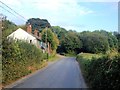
x,y
29,29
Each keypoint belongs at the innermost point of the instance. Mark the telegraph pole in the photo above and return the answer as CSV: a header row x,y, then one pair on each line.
x,y
46,43
2,18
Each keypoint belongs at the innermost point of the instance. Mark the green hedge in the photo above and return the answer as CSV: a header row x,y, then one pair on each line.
x,y
19,59
102,72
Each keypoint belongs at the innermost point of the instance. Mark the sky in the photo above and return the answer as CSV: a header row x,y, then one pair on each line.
x,y
79,15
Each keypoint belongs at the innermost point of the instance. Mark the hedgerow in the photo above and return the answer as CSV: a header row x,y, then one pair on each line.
x,y
102,72
19,59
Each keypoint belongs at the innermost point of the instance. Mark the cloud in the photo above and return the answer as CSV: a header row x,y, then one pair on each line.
x,y
57,12
65,13
69,7
60,11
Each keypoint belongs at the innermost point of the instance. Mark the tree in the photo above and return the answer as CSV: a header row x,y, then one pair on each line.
x,y
112,40
24,27
118,38
71,43
8,28
60,32
94,42
49,36
38,23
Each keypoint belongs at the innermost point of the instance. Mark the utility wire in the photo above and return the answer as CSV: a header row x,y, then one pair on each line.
x,y
11,13
12,10
8,11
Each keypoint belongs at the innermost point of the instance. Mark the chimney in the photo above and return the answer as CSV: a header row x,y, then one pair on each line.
x,y
36,32
29,28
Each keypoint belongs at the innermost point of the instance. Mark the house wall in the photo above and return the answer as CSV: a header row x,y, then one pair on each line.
x,y
23,35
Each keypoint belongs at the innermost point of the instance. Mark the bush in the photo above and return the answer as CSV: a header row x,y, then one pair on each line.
x,y
102,72
19,59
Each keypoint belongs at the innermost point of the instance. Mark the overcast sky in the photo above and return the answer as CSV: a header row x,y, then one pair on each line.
x,y
77,15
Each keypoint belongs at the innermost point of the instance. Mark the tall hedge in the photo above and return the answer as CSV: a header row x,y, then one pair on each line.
x,y
102,72
19,59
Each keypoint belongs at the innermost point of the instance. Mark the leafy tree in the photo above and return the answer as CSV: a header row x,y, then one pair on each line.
x,y
60,32
71,43
23,27
38,23
112,40
118,38
94,42
48,35
8,28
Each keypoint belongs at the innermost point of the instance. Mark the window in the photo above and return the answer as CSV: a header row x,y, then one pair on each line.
x,y
30,41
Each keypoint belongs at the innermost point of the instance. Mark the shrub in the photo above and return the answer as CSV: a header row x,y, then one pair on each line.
x,y
102,72
19,59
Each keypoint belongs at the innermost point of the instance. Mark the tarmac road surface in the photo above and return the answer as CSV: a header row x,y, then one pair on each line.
x,y
64,73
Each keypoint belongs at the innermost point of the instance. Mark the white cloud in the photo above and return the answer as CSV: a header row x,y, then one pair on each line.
x,y
69,7
58,12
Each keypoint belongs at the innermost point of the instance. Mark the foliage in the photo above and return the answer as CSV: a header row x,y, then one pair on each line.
x,y
112,40
94,42
118,37
60,32
19,59
23,27
51,38
71,43
38,23
8,28
101,71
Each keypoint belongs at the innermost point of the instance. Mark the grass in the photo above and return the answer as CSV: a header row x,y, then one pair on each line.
x,y
113,53
56,57
89,56
70,55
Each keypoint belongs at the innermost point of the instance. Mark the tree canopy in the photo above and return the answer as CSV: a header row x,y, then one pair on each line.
x,y
98,41
94,42
38,23
8,28
71,43
51,37
60,32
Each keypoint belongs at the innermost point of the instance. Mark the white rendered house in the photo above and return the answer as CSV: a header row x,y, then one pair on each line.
x,y
21,34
